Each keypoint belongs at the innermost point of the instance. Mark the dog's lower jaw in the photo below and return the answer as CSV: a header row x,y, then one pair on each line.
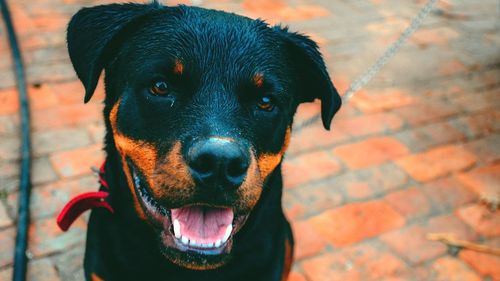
x,y
200,245
123,247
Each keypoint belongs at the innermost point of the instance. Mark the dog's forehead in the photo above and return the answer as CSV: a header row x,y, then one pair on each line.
x,y
207,36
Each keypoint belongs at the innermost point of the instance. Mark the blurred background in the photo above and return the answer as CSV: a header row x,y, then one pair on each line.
x,y
415,152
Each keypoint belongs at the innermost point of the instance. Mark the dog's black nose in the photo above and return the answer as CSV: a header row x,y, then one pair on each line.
x,y
217,161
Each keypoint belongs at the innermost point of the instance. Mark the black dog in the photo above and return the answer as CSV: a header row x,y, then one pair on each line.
x,y
198,111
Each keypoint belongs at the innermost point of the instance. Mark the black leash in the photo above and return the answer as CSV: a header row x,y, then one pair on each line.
x,y
20,257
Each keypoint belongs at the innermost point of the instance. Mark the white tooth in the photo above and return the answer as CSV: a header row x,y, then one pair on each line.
x,y
177,229
185,240
193,243
229,229
218,243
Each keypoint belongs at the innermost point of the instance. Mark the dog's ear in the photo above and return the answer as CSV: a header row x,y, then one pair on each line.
x,y
91,32
310,70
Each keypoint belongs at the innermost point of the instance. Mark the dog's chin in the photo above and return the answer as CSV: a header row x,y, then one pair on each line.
x,y
195,236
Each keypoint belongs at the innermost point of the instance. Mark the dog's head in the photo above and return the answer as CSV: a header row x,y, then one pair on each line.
x,y
199,105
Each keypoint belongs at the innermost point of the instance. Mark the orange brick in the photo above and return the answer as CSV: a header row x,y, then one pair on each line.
x,y
42,171
479,124
370,152
484,182
452,67
373,181
5,220
450,223
452,269
437,162
359,190
66,116
357,221
8,125
317,198
97,132
377,101
279,10
295,276
434,36
307,110
308,167
41,97
53,22
368,124
22,21
447,194
364,262
69,92
42,270
307,241
8,169
7,238
482,220
315,137
78,161
33,41
429,136
485,264
46,238
424,112
49,200
50,141
486,149
412,203
411,244
9,148
9,101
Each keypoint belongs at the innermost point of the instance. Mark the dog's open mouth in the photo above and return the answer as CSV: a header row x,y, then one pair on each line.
x,y
194,228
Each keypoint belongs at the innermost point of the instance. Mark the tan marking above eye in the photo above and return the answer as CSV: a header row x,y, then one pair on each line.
x,y
178,67
258,80
95,277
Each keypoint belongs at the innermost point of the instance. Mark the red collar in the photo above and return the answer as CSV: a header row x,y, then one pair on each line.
x,y
83,202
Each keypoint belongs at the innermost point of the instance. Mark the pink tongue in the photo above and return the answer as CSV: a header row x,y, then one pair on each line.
x,y
204,224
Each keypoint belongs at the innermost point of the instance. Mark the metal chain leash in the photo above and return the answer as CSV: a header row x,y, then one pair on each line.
x,y
367,76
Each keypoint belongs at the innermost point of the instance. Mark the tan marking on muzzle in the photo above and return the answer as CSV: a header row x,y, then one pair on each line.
x,y
268,161
169,177
251,188
142,154
172,176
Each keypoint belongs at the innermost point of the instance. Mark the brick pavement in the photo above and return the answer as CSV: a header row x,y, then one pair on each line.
x,y
415,152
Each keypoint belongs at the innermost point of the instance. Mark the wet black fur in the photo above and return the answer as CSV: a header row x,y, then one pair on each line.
x,y
137,45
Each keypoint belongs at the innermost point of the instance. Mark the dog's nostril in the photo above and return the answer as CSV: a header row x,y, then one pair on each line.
x,y
236,167
203,164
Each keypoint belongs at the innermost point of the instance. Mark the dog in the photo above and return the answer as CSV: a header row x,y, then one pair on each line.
x,y
198,113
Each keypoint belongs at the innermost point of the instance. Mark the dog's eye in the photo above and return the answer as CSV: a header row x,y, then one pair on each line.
x,y
159,88
265,103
